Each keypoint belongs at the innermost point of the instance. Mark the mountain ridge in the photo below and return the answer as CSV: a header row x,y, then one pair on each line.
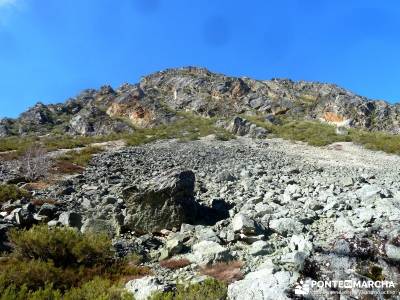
x,y
158,97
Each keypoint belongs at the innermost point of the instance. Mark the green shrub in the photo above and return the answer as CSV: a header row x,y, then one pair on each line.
x,y
12,192
20,144
188,128
380,141
314,133
64,258
12,293
80,157
320,134
63,246
52,142
96,289
32,274
210,289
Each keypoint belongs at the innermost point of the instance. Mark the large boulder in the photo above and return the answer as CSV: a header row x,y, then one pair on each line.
x,y
4,244
243,127
4,131
166,202
286,226
243,224
208,252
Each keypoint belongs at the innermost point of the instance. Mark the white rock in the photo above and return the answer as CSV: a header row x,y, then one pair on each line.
x,y
260,248
207,252
242,223
263,285
144,287
393,252
294,260
286,226
344,225
300,243
368,191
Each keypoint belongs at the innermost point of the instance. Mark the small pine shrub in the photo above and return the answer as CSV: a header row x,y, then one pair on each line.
x,y
23,293
96,289
65,259
32,274
12,192
63,246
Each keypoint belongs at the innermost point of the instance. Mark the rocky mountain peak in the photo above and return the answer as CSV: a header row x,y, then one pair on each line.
x,y
158,97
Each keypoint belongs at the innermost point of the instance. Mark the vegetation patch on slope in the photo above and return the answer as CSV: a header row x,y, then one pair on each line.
x,y
62,261
12,192
187,127
321,134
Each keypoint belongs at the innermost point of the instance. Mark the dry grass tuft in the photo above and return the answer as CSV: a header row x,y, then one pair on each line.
x,y
66,167
225,272
36,186
40,202
174,264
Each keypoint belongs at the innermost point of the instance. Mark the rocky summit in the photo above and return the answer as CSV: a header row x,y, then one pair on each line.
x,y
269,217
158,98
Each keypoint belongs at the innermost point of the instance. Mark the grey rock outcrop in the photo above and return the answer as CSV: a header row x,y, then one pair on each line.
x,y
166,202
243,127
159,98
208,252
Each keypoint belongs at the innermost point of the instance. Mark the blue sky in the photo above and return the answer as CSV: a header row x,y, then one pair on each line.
x,y
52,49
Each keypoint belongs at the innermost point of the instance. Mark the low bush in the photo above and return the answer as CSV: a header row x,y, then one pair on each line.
x,y
320,134
380,141
314,133
63,246
34,163
188,128
33,274
80,157
210,289
20,144
53,142
67,260
174,264
96,289
12,192
227,272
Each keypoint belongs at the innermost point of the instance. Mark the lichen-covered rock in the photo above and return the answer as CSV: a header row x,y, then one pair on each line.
x,y
242,127
165,202
107,227
208,252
